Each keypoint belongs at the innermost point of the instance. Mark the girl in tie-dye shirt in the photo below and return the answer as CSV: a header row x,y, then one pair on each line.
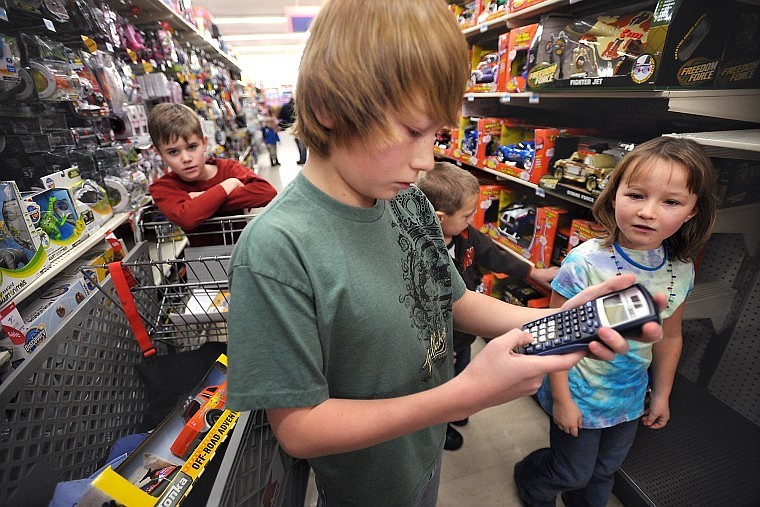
x,y
657,209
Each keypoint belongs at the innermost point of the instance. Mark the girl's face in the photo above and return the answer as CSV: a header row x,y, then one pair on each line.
x,y
654,206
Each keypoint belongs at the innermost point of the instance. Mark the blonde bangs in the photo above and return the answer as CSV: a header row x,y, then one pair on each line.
x,y
366,58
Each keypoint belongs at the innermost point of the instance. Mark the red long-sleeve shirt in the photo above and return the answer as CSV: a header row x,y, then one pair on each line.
x,y
172,194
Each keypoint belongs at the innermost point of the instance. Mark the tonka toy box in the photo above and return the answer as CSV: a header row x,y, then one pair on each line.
x,y
28,329
22,252
670,42
164,468
491,10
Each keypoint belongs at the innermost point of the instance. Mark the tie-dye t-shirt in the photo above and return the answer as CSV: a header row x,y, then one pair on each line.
x,y
609,393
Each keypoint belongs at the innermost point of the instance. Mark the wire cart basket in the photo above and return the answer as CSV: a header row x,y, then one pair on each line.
x,y
179,304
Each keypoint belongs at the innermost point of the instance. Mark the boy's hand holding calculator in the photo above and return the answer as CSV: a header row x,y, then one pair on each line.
x,y
624,311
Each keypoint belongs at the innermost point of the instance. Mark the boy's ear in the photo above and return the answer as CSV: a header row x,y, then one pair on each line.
x,y
324,118
439,214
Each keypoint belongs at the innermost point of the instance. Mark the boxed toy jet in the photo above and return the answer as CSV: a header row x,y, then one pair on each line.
x,y
670,42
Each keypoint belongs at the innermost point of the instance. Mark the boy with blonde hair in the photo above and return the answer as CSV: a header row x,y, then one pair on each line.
x,y
195,188
453,192
344,298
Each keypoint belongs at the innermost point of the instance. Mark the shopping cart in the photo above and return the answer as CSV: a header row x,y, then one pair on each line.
x,y
178,305
170,241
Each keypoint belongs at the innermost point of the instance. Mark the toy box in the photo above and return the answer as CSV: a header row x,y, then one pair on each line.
x,y
443,142
88,196
467,14
518,292
27,329
671,43
530,158
484,71
487,211
582,230
466,146
738,181
22,252
89,267
548,220
59,220
561,242
154,474
492,9
514,47
509,132
741,56
518,5
489,135
516,224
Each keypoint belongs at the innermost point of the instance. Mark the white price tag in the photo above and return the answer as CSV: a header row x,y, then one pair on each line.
x,y
533,99
483,28
470,97
540,192
504,99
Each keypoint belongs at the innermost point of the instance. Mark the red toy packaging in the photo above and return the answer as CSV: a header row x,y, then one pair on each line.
x,y
489,139
518,5
467,15
582,230
485,69
548,220
492,9
514,47
487,211
529,159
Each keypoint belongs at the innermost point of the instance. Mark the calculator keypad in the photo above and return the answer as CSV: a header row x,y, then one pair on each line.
x,y
562,332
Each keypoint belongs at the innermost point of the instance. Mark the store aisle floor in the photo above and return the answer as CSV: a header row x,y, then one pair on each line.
x,y
480,473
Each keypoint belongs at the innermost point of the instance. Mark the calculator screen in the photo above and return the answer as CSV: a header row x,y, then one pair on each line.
x,y
615,309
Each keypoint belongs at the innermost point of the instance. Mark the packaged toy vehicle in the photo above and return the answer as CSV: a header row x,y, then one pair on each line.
x,y
485,72
522,153
591,169
470,141
201,412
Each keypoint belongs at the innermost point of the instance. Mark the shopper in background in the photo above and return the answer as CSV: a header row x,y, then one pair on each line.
x,y
287,117
658,210
453,192
269,132
195,188
344,297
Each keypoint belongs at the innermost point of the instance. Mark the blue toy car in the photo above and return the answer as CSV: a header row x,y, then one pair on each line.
x,y
522,154
485,72
470,141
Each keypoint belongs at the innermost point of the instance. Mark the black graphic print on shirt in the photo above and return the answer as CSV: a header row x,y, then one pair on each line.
x,y
426,274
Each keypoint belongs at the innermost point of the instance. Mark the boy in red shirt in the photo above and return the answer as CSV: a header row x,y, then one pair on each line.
x,y
195,188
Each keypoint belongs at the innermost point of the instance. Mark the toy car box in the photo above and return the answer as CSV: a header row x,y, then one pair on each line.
x,y
582,230
465,149
514,47
153,474
27,329
22,252
484,71
443,142
671,43
489,139
518,5
530,159
548,220
467,14
487,210
491,10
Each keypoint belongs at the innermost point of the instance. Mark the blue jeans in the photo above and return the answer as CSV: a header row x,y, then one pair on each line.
x,y
582,467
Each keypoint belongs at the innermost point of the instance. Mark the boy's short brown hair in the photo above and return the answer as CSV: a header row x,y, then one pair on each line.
x,y
364,59
447,187
169,122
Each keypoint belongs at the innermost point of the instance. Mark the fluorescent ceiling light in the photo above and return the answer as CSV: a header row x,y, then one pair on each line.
x,y
285,48
251,20
298,37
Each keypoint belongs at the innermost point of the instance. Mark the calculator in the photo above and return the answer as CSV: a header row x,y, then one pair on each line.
x,y
625,311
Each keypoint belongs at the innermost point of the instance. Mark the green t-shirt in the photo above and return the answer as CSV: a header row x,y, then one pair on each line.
x,y
330,300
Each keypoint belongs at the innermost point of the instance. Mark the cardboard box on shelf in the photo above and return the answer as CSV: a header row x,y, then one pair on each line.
x,y
88,196
582,230
487,210
529,159
548,220
23,253
514,47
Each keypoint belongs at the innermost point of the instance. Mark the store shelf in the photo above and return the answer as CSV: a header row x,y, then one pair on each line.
x,y
740,144
737,105
64,261
710,300
152,11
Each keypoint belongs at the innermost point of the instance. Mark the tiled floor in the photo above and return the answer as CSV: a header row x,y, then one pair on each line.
x,y
480,473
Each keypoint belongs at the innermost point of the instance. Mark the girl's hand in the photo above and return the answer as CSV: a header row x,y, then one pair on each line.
x,y
657,414
611,342
567,416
